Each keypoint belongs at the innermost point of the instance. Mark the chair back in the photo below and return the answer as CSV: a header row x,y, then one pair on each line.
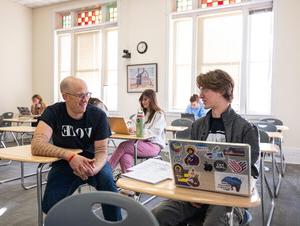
x,y
263,137
275,121
7,115
186,134
76,210
265,126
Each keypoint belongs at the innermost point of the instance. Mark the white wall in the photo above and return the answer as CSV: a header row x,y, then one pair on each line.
x,y
147,20
286,68
16,56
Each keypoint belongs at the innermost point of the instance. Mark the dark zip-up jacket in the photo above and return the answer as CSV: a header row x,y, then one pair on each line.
x,y
237,130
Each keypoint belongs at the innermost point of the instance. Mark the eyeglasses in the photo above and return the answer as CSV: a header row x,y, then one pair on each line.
x,y
81,95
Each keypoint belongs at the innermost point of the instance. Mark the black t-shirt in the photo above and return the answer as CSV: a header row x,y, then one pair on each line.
x,y
73,133
216,131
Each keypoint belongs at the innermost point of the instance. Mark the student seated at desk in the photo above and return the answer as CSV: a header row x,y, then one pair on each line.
x,y
38,106
196,107
77,125
221,124
98,103
154,124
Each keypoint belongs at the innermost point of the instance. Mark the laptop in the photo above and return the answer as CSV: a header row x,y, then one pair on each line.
x,y
212,166
118,125
24,111
188,115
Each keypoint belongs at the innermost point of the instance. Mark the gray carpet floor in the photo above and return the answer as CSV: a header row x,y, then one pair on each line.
x,y
18,207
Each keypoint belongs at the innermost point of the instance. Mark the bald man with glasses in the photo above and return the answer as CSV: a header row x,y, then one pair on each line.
x,y
74,124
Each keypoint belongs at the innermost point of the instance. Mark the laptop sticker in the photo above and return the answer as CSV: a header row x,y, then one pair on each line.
x,y
227,182
231,151
181,175
193,179
237,166
215,154
207,167
191,158
220,166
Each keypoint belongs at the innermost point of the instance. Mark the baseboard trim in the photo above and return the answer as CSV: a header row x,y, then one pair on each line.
x,y
291,154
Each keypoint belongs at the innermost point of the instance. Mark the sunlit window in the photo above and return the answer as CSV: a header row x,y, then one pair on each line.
x,y
182,5
113,13
89,17
66,21
214,3
237,41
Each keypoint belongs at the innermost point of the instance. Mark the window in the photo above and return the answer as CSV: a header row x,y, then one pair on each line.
x,y
89,51
237,39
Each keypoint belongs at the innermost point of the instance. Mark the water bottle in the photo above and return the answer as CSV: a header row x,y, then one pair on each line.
x,y
140,123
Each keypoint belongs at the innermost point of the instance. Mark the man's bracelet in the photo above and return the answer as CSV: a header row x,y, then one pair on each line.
x,y
72,156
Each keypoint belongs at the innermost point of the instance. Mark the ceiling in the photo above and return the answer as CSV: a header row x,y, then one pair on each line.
x,y
38,3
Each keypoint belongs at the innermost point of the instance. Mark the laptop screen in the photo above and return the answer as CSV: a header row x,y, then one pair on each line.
x,y
24,110
212,166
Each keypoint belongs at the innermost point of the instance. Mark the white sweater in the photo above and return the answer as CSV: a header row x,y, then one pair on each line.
x,y
156,127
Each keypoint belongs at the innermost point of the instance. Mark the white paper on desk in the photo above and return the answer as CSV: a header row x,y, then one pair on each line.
x,y
151,171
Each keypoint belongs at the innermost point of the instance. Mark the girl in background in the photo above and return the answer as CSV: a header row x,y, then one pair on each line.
x,y
154,124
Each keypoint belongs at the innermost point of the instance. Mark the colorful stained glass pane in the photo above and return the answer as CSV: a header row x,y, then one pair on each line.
x,y
182,5
88,17
66,21
113,13
214,3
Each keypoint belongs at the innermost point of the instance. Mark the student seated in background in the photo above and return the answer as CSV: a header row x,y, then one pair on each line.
x,y
98,103
221,124
154,124
38,106
78,125
196,107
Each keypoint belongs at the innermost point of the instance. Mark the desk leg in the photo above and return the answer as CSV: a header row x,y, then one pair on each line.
x,y
39,193
262,172
15,138
23,181
135,151
4,163
271,194
276,186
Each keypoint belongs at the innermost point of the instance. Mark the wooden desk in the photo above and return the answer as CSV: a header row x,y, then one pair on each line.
x,y
23,154
175,129
272,149
21,120
18,129
282,128
131,137
168,189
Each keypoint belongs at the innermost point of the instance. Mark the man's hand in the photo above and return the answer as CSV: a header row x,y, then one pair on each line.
x,y
82,166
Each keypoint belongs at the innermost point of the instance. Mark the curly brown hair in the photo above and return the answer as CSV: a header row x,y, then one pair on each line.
x,y
218,81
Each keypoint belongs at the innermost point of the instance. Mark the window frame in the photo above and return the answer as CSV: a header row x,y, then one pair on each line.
x,y
245,8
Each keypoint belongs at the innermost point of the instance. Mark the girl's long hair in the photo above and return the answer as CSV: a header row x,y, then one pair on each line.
x,y
150,93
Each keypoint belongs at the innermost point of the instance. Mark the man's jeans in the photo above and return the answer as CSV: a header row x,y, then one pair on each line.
x,y
62,182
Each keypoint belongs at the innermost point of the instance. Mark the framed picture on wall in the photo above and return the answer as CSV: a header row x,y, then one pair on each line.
x,y
141,77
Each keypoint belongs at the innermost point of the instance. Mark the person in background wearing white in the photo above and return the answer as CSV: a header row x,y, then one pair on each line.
x,y
154,124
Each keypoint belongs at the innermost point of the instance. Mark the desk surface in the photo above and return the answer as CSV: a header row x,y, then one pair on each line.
x,y
168,189
275,135
282,128
21,120
23,154
130,137
176,128
18,129
268,148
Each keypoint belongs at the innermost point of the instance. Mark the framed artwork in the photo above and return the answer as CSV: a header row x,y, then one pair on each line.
x,y
141,77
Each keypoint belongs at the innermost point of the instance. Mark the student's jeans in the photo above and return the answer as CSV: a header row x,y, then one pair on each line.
x,y
179,213
62,182
124,154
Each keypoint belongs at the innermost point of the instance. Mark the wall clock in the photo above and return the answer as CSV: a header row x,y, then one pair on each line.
x,y
142,47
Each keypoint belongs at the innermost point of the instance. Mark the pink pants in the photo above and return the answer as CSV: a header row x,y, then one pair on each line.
x,y
125,151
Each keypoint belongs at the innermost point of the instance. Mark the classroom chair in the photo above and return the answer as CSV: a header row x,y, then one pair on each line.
x,y
186,134
77,210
